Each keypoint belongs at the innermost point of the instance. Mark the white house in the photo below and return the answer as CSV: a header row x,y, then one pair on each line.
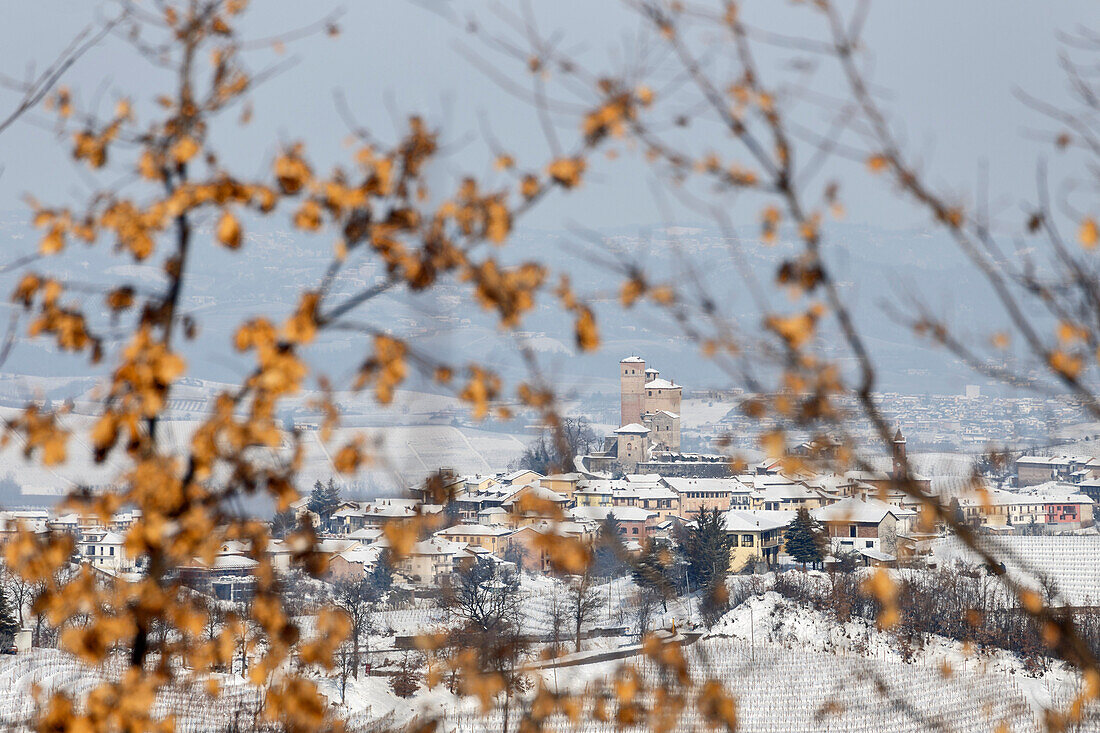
x,y
105,550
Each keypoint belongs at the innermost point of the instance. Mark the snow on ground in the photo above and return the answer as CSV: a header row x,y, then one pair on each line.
x,y
79,468
402,456
769,620
790,668
51,671
943,464
1066,564
764,648
368,699
793,689
698,413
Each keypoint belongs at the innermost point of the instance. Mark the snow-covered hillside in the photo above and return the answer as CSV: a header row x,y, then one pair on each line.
x,y
789,668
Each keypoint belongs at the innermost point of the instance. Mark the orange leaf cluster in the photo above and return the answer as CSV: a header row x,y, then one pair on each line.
x,y
387,368
510,291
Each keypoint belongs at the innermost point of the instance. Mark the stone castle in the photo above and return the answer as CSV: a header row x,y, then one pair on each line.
x,y
648,437
650,412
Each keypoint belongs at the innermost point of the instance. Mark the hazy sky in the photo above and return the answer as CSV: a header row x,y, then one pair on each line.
x,y
951,68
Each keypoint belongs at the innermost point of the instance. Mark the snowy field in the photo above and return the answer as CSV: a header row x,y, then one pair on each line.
x,y
401,456
697,413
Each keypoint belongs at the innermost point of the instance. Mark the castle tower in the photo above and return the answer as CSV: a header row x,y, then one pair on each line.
x,y
899,455
631,390
632,446
661,394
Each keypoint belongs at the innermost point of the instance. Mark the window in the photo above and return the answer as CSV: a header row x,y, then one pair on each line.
x,y
746,540
733,540
852,530
635,530
112,551
870,543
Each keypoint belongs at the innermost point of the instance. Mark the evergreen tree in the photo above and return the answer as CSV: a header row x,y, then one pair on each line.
x,y
805,539
957,514
317,498
610,527
705,546
608,558
653,571
8,623
282,524
323,500
332,495
381,577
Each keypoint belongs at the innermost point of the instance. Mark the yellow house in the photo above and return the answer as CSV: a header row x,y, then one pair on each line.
x,y
479,483
521,477
491,537
594,493
534,503
755,537
535,542
793,496
662,500
563,483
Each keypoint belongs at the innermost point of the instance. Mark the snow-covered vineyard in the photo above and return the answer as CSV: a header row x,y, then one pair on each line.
x,y
1066,565
788,667
50,670
779,689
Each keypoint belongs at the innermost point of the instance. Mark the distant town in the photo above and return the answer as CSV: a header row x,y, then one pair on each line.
x,y
639,477
648,528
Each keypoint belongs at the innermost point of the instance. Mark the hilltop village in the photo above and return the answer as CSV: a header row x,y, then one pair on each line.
x,y
744,560
640,480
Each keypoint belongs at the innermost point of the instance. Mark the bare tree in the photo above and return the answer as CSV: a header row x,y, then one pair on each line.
x,y
484,597
559,617
645,608
555,448
346,666
584,602
18,590
384,212
358,598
